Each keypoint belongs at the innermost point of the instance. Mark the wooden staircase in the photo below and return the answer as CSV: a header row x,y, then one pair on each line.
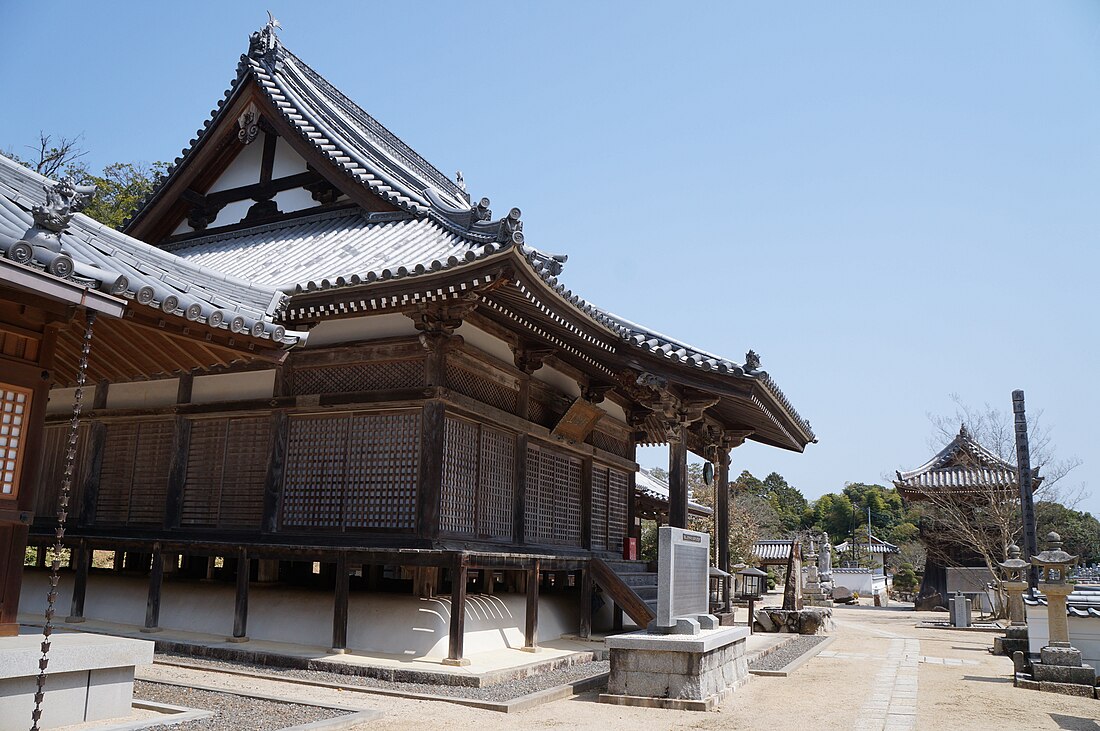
x,y
630,585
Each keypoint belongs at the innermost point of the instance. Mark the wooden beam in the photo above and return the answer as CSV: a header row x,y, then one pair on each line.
x,y
459,574
340,606
240,605
156,579
531,625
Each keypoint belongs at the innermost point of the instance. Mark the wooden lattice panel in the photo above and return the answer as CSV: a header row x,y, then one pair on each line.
x,y
609,443
382,472
378,376
618,504
553,507
133,479
483,389
316,457
15,405
52,469
599,508
458,512
496,494
226,472
539,413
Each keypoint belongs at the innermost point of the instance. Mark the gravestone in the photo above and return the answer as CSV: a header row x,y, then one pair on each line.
x,y
960,610
683,582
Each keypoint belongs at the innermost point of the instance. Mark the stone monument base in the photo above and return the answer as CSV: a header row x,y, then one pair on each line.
x,y
90,678
1015,640
810,621
681,672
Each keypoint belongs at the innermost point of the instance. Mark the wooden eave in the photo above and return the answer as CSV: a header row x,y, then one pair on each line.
x,y
218,146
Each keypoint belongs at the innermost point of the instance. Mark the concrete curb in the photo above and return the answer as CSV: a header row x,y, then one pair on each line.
x,y
170,716
750,659
793,665
557,693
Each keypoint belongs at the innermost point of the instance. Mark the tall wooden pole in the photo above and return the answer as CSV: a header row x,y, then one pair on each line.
x,y
340,606
459,574
240,605
722,503
677,479
1027,499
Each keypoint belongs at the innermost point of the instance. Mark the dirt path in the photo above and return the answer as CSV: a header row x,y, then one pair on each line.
x,y
881,674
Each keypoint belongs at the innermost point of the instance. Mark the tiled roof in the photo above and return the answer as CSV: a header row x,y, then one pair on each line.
x,y
648,484
103,259
961,466
1083,602
877,546
772,550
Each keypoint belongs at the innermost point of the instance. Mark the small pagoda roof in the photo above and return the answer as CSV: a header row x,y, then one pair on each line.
x,y
962,466
649,485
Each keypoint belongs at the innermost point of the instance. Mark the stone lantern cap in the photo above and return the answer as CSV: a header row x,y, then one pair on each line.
x,y
1014,562
1054,556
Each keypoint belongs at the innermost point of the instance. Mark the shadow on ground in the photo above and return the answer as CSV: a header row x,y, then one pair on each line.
x,y
1075,723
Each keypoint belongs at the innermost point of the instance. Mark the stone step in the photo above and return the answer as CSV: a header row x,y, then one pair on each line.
x,y
620,566
646,592
646,579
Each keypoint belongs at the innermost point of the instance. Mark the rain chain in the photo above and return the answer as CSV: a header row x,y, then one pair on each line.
x,y
62,515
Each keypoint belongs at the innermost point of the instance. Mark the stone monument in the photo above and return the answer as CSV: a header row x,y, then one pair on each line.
x,y
1014,584
684,660
959,610
813,595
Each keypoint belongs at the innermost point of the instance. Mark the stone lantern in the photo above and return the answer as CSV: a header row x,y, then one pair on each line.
x,y
1059,661
1014,584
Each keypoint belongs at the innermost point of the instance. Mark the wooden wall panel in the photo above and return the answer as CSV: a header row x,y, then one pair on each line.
x,y
618,506
553,496
497,484
226,467
316,461
485,390
133,481
458,511
52,470
352,377
600,483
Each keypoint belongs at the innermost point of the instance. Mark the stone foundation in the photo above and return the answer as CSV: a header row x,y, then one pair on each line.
x,y
1015,640
810,621
676,671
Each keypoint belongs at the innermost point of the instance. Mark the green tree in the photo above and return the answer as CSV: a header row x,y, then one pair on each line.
x,y
905,579
1080,531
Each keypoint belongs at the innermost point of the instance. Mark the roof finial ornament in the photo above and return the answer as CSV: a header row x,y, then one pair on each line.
x,y
511,228
264,40
963,431
752,361
460,181
64,199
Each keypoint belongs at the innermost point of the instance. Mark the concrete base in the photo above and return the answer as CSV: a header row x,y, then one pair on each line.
x,y
90,678
687,672
459,663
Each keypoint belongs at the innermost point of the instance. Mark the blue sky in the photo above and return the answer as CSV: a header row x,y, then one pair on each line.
x,y
889,203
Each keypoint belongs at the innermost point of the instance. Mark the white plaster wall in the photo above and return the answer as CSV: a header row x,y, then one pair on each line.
x,y
1084,634
398,624
486,342
864,582
61,399
558,380
143,394
232,386
287,161
244,170
295,199
331,332
611,408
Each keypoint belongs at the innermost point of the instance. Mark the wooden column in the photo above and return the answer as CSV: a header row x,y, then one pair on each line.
x,y
531,627
177,472
240,607
519,505
97,438
722,512
340,606
586,503
273,481
152,605
459,573
430,488
677,479
585,630
82,559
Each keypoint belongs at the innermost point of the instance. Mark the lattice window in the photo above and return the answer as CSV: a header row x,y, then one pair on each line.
x,y
497,484
15,403
133,480
483,389
553,506
382,473
599,508
375,376
539,413
52,468
618,504
315,464
609,443
226,472
460,467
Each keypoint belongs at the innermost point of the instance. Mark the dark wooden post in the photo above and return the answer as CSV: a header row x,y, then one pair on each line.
x,y
519,505
273,481
458,612
531,627
617,619
156,578
586,503
1027,500
82,560
722,529
97,438
177,472
240,607
677,479
585,630
340,606
430,492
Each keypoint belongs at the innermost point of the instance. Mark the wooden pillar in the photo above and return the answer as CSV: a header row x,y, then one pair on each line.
x,y
273,481
152,605
340,606
677,479
240,607
177,472
83,559
617,619
459,573
585,630
531,627
722,513
430,492
519,505
586,503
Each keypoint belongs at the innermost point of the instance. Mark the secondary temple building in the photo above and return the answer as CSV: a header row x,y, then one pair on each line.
x,y
457,424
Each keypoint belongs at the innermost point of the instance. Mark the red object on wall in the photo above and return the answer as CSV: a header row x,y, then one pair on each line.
x,y
630,549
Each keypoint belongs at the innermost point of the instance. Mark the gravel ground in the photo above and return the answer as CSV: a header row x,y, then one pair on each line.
x,y
499,692
787,653
231,712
